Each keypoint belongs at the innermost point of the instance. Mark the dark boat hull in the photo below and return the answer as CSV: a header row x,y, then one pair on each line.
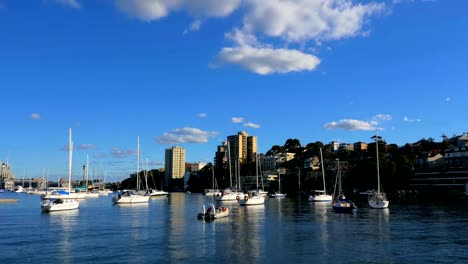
x,y
344,208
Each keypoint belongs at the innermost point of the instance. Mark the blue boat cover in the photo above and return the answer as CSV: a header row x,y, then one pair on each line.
x,y
62,192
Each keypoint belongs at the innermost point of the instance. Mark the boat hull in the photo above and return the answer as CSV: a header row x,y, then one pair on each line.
x,y
251,201
278,195
130,199
214,213
343,207
378,201
52,205
322,198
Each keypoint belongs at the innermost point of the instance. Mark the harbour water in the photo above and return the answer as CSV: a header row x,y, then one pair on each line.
x,y
289,230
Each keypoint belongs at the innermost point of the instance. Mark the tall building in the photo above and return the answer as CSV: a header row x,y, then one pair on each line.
x,y
174,164
242,147
221,156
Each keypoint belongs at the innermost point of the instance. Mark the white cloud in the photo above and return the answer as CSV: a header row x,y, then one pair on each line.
x,y
35,116
148,10
185,135
282,22
195,26
237,119
408,120
266,60
352,124
120,153
382,117
202,115
252,125
86,146
69,3
211,8
298,21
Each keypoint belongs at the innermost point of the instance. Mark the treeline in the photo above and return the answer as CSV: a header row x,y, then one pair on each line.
x,y
397,165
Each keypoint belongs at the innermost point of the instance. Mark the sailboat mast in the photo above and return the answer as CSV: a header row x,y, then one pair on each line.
x,y
323,171
138,163
212,176
146,174
70,157
229,164
256,168
378,161
86,172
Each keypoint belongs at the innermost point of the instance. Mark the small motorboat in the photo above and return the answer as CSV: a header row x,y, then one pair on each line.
x,y
213,212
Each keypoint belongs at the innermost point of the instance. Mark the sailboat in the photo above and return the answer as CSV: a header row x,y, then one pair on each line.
x,y
62,201
214,191
153,192
321,195
340,204
253,197
230,194
278,194
129,196
378,199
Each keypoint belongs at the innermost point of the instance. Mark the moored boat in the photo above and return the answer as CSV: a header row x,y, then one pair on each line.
x,y
62,200
378,199
340,204
213,212
251,198
128,197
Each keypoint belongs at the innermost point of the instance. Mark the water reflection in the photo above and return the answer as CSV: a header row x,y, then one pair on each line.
x,y
248,242
63,224
321,211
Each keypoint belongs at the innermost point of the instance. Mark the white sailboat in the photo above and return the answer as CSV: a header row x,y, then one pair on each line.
x,y
214,191
253,197
62,201
278,194
378,199
229,194
129,197
321,195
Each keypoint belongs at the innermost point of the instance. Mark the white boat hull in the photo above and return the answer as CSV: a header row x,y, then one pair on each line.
x,y
252,200
156,193
379,205
52,205
278,195
128,199
323,198
229,196
378,201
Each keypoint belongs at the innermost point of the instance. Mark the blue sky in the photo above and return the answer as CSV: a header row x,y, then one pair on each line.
x,y
190,73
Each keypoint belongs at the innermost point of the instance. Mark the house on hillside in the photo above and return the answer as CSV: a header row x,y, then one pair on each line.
x,y
431,160
456,157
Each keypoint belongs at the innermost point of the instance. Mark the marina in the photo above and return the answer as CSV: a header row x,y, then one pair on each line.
x,y
291,230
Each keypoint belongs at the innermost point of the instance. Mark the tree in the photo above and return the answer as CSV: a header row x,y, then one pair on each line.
x,y
292,145
276,149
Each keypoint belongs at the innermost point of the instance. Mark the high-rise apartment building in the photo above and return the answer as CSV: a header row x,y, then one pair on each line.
x,y
174,163
221,156
242,147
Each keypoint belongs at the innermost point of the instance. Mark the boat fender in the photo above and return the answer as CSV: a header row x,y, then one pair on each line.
x,y
224,209
237,198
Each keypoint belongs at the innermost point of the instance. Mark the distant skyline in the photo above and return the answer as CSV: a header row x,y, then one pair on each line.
x,y
190,73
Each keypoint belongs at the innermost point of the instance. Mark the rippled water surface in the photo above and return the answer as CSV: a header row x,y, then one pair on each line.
x,y
280,231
